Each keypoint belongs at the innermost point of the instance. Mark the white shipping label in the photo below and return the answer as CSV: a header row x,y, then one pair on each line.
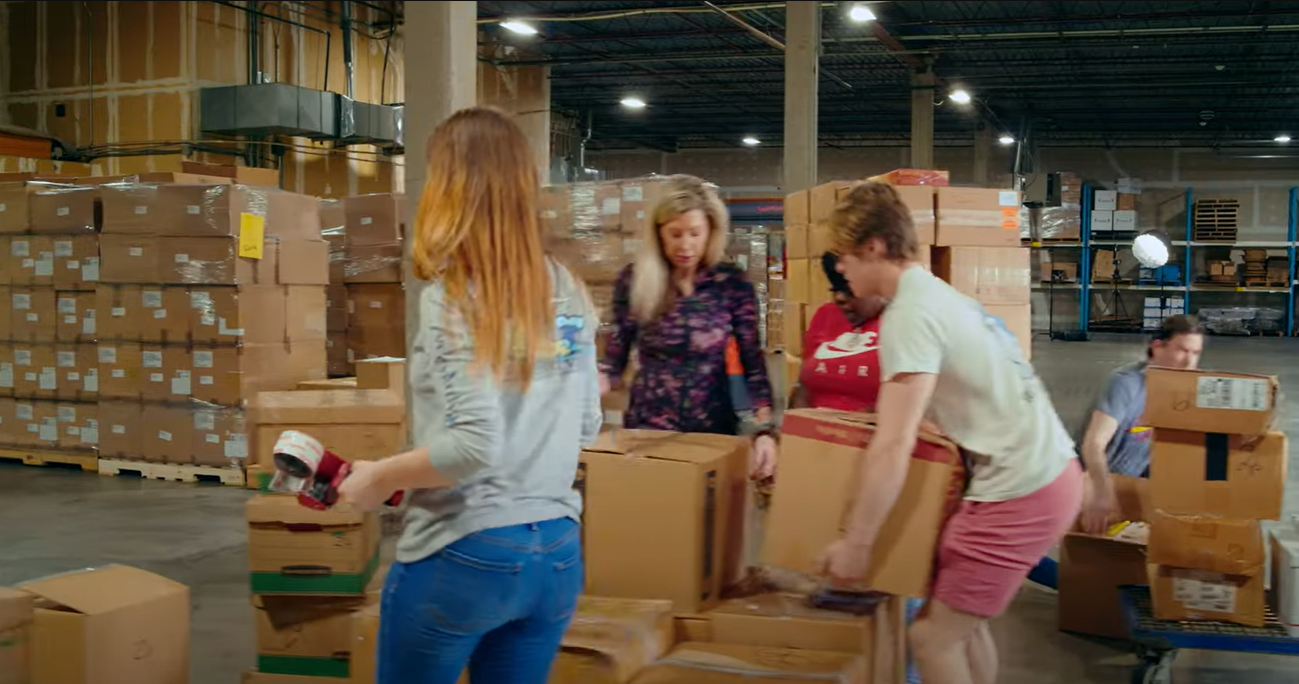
x,y
67,305
200,300
49,431
151,359
236,446
223,328
23,412
22,357
366,220
33,428
108,354
63,211
45,265
1008,198
88,323
1238,394
206,380
611,206
118,429
74,376
212,439
181,258
7,375
117,311
633,193
49,378
180,385
151,299
164,435
376,305
29,377
67,414
193,209
91,381
33,318
207,318
90,432
1204,594
159,313
74,431
73,264
66,359
90,270
204,420
70,320
141,211
202,359
135,251
22,302
21,248
29,264
63,248
118,373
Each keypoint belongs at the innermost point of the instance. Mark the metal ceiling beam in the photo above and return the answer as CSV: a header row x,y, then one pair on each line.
x,y
756,33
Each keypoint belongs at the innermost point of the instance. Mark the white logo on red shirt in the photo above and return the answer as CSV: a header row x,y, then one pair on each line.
x,y
847,344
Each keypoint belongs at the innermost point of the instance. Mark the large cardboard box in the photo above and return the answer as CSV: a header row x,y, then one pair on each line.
x,y
1018,319
296,550
16,615
365,662
1210,401
111,625
1285,577
355,424
1181,594
76,262
991,275
306,635
373,219
701,663
244,175
1216,474
216,210
798,208
820,459
1093,567
977,217
610,640
664,515
1228,545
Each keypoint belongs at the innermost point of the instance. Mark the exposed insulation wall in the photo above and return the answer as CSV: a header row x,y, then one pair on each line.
x,y
127,74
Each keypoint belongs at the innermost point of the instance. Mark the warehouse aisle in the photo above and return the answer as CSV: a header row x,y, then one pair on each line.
x,y
56,520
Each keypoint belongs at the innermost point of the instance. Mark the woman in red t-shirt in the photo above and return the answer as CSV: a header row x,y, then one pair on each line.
x,y
841,368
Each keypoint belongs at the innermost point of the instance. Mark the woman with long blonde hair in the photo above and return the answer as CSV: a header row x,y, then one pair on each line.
x,y
504,392
681,304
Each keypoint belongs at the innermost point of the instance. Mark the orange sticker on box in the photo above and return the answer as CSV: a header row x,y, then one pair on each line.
x,y
1010,218
252,234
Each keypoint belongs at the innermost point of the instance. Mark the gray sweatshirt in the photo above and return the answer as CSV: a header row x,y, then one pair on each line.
x,y
512,454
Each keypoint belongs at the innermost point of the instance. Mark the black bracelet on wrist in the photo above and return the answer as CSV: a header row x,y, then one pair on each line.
x,y
767,430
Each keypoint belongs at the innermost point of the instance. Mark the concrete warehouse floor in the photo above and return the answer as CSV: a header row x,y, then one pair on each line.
x,y
56,520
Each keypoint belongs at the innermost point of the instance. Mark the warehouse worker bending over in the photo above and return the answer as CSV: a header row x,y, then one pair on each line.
x,y
1116,440
943,355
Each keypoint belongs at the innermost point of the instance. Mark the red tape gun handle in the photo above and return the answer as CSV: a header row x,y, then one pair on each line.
x,y
346,470
395,499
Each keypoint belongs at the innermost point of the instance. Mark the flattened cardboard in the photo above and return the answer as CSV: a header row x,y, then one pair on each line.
x,y
699,663
112,625
786,621
1210,401
610,640
820,447
1214,474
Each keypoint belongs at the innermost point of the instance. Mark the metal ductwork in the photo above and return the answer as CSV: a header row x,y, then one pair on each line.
x,y
281,109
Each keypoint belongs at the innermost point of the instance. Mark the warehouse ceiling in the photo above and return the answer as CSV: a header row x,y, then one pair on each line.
x,y
1078,73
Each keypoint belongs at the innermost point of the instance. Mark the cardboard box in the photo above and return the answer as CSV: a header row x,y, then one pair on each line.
x,y
690,547
36,373
76,262
977,217
17,611
32,260
220,436
1058,271
1210,401
372,263
121,433
798,279
1093,567
208,210
1102,221
166,434
1125,221
798,209
610,640
911,177
77,370
110,625
639,198
34,313
825,197
1216,474
820,447
244,175
373,219
355,424
336,307
991,275
1285,577
1180,594
920,200
77,319
381,374
1126,202
796,242
295,550
337,363
309,636
129,259
370,342
376,306
1105,200
1230,546
697,663
1018,319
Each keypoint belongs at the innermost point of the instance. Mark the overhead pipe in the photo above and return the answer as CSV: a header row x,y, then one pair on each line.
x,y
254,47
287,22
349,65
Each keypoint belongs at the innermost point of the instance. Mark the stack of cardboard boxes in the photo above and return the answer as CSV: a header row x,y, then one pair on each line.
x,y
1113,213
50,259
371,268
207,295
310,572
1192,530
968,236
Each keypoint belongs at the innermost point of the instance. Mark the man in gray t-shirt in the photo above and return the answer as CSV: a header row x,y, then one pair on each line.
x,y
1116,440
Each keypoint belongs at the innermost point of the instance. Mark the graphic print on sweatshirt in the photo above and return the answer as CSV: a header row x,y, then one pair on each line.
x,y
837,354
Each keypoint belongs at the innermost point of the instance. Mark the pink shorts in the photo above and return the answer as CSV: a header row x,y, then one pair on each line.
x,y
988,548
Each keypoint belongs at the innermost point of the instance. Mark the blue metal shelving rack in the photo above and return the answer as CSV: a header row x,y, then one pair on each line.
x,y
1187,286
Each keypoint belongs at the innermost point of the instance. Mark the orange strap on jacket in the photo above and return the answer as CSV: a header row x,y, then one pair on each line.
x,y
733,365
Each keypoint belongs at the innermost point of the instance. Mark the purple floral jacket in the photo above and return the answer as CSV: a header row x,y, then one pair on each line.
x,y
681,384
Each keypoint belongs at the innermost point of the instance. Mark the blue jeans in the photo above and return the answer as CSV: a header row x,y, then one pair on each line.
x,y
497,601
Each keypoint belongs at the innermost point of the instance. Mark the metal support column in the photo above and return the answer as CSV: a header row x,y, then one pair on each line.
x,y
922,119
802,52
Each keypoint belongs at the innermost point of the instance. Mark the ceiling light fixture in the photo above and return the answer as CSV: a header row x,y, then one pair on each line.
x,y
751,141
1283,138
1006,140
633,102
861,14
520,27
959,96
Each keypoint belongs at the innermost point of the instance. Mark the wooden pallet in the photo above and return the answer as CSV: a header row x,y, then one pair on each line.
x,y
43,457
1274,284
173,472
1216,235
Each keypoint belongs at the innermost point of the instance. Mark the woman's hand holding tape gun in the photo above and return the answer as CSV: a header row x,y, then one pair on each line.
x,y
365,488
